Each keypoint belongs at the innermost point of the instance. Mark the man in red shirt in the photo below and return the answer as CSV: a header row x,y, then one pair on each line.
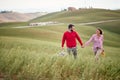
x,y
70,37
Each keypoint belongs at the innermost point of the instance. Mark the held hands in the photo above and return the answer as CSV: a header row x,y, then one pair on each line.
x,y
83,46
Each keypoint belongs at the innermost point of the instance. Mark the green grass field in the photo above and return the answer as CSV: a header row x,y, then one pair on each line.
x,y
80,16
32,54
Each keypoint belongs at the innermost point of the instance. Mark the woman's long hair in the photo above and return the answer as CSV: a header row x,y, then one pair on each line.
x,y
101,32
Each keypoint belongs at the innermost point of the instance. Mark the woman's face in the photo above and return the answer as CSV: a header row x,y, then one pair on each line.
x,y
97,31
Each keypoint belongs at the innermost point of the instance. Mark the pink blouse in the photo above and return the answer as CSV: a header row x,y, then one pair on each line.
x,y
97,41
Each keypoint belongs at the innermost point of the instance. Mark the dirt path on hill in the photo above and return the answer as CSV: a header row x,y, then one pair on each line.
x,y
97,22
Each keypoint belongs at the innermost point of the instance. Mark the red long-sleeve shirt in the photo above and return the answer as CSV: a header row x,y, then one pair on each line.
x,y
70,38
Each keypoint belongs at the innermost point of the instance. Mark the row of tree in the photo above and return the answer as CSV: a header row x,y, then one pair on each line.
x,y
6,11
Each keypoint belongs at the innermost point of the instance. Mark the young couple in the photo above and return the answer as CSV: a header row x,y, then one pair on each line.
x,y
71,35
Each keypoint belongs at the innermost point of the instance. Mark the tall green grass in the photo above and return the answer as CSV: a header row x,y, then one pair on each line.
x,y
36,60
13,24
32,54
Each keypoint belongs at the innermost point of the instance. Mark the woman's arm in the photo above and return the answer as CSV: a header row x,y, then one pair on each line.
x,y
102,40
89,41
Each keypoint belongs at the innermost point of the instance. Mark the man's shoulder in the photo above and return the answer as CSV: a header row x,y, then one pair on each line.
x,y
65,32
75,32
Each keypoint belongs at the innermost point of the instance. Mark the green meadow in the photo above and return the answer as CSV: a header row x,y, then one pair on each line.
x,y
32,53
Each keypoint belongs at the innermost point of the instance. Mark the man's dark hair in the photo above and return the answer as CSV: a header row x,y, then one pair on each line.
x,y
100,31
70,26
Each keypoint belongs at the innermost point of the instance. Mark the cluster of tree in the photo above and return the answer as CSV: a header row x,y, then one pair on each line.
x,y
74,9
6,11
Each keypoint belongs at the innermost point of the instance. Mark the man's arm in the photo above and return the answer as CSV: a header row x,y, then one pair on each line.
x,y
79,39
63,40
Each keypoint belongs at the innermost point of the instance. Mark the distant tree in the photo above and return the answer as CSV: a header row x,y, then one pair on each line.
x,y
5,11
65,10
80,8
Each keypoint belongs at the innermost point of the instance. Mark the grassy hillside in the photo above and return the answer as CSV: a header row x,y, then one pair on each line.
x,y
13,24
31,54
83,15
111,28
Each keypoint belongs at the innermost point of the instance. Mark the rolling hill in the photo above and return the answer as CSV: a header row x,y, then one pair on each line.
x,y
80,16
32,53
18,17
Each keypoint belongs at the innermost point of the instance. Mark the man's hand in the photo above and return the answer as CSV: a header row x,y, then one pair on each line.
x,y
83,46
62,48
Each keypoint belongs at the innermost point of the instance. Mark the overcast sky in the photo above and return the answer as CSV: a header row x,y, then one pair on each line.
x,y
55,5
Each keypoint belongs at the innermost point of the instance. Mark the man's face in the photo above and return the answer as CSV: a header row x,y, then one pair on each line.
x,y
73,28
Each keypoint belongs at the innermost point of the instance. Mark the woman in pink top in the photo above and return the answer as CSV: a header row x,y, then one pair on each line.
x,y
97,40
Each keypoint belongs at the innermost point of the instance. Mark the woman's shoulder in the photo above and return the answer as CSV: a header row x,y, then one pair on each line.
x,y
93,35
102,36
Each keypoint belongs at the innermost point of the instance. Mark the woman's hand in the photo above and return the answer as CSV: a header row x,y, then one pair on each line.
x,y
83,46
